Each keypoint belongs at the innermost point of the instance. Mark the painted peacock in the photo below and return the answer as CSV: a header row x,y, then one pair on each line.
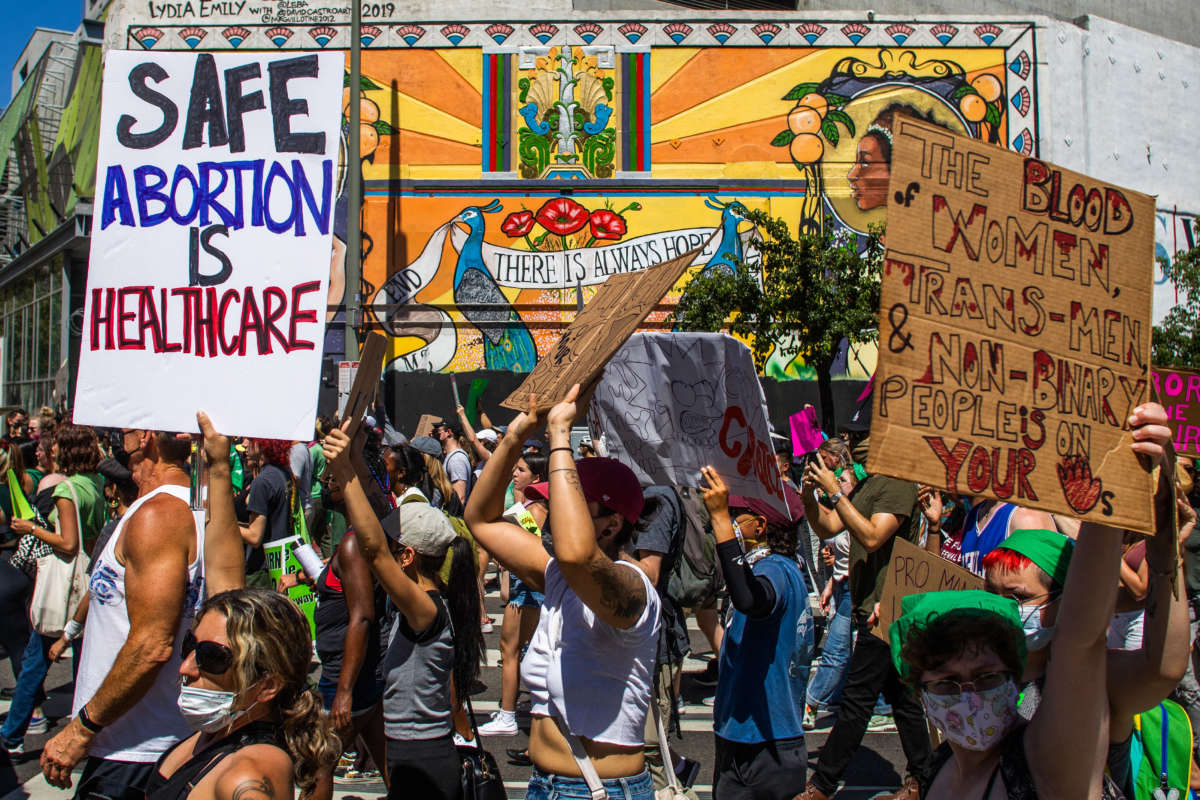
x,y
507,344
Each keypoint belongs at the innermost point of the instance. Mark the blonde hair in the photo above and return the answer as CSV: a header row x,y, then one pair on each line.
x,y
437,476
270,636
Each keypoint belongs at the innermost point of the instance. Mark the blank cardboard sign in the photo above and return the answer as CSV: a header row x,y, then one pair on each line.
x,y
914,570
620,305
1179,392
1014,330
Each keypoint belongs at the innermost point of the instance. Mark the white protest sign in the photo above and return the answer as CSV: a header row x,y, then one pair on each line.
x,y
211,241
669,403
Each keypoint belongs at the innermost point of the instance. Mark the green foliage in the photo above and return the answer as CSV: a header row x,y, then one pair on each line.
x,y
1177,340
816,289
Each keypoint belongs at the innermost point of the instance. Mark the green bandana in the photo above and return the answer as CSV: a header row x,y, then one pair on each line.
x,y
920,610
1049,550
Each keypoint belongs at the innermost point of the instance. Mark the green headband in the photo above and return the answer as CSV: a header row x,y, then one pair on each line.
x,y
922,610
1049,550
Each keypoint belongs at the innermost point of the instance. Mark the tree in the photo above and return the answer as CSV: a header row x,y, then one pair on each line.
x,y
1177,340
813,292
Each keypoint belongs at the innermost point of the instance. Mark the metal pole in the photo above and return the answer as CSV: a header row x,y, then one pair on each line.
x,y
354,187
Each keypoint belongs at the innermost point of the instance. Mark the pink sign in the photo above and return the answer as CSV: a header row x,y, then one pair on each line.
x,y
806,433
1179,392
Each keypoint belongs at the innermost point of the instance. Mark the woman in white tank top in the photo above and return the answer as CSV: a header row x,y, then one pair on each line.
x,y
590,663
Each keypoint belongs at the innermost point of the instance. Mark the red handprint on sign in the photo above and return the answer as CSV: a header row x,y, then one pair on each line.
x,y
1081,490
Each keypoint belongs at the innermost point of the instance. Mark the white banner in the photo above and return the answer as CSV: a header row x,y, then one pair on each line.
x,y
211,240
670,403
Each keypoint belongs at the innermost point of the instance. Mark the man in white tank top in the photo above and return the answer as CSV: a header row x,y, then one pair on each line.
x,y
145,587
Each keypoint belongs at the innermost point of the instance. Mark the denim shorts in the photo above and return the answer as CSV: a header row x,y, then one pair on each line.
x,y
543,786
521,596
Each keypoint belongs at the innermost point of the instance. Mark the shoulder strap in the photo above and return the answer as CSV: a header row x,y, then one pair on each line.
x,y
584,761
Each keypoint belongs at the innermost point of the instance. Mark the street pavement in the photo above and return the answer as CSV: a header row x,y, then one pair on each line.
x,y
876,767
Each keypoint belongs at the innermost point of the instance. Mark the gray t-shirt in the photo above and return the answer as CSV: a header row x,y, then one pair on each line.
x,y
458,467
418,668
302,469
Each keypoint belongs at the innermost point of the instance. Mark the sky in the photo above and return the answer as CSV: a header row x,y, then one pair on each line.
x,y
20,18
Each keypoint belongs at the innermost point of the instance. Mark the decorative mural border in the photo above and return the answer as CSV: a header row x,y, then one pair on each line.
x,y
499,39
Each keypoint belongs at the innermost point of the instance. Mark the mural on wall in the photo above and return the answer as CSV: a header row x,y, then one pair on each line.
x,y
510,168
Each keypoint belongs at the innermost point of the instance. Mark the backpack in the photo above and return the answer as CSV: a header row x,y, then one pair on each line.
x,y
1161,753
695,577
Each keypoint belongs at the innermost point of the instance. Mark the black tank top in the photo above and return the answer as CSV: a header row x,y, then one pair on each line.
x,y
180,784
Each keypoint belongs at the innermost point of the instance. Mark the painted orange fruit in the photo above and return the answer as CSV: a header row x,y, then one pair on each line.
x,y
988,86
807,148
973,108
368,139
816,102
804,119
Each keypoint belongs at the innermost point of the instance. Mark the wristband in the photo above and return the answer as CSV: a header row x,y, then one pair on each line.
x,y
564,448
72,630
87,721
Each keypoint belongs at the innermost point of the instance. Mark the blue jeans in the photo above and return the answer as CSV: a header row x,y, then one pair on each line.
x,y
825,686
28,694
544,786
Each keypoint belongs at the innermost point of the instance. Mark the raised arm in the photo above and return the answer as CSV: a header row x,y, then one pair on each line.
x,y
824,522
1075,699
614,592
751,594
1139,680
481,452
224,554
360,605
410,599
871,533
154,548
509,544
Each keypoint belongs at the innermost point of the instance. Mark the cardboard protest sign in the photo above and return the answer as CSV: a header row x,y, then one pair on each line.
x,y
281,560
914,570
425,425
366,381
1179,392
619,306
208,277
671,402
1014,330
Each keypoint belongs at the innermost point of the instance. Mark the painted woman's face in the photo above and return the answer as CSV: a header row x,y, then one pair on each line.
x,y
869,175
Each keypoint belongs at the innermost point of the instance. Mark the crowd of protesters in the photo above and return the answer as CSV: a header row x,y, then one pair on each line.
x,y
195,674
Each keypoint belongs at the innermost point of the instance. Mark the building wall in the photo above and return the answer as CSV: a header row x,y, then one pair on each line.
x,y
39,41
490,215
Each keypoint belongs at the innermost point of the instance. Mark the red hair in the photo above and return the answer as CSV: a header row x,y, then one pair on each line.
x,y
1005,560
275,451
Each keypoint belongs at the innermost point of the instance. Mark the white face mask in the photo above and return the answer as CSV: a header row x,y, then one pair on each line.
x,y
974,720
208,710
1037,635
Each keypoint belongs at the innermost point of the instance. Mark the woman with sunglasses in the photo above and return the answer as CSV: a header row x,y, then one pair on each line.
x,y
244,677
435,642
590,663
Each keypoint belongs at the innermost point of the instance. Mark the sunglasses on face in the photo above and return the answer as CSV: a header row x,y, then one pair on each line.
x,y
211,657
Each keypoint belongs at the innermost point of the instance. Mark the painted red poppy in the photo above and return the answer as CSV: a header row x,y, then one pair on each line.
x,y
562,216
606,224
518,223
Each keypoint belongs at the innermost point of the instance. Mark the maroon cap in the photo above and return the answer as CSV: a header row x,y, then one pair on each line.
x,y
605,481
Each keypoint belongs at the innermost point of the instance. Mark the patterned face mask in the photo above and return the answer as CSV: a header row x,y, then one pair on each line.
x,y
974,720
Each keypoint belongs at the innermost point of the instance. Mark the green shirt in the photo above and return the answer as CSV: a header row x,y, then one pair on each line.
x,y
318,472
879,494
93,511
336,525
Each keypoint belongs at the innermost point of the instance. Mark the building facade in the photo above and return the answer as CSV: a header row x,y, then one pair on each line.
x,y
512,162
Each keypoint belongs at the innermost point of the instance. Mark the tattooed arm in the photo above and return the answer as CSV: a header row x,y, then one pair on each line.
x,y
614,592
258,772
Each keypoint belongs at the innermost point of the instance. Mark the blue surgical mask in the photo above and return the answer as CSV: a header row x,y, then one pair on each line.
x,y
1037,635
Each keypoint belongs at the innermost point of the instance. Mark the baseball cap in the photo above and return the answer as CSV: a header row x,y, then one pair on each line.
x,y
1049,550
427,445
487,435
421,527
534,443
605,481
